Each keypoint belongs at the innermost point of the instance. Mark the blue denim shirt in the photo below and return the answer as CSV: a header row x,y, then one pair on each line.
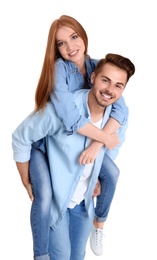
x,y
63,152
68,79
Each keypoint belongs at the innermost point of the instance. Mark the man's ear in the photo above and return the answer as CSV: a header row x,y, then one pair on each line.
x,y
92,78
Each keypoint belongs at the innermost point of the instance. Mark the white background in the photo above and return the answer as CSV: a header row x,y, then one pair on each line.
x,y
124,27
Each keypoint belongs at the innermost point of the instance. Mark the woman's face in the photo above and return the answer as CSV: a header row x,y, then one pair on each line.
x,y
70,45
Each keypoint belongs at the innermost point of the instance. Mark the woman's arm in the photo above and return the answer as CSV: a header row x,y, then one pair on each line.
x,y
62,99
89,154
68,112
118,117
106,137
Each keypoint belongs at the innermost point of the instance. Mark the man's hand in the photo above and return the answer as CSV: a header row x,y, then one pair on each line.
x,y
97,189
29,190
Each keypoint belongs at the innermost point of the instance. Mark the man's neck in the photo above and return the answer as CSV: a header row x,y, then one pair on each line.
x,y
96,111
96,116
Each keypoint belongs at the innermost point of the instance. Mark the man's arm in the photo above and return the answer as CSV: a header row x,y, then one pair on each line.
x,y
33,128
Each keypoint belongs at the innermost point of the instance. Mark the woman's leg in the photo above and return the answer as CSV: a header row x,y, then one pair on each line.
x,y
108,177
109,174
41,206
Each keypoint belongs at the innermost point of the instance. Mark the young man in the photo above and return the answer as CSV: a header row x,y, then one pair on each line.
x,y
72,210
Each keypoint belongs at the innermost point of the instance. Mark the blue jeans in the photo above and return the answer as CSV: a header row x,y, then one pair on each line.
x,y
108,176
41,206
68,241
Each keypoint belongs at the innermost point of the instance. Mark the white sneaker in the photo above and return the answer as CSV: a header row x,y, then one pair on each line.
x,y
96,241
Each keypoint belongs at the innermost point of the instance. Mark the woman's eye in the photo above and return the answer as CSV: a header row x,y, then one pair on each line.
x,y
59,44
75,36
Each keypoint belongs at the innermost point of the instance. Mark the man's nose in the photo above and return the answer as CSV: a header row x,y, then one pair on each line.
x,y
110,87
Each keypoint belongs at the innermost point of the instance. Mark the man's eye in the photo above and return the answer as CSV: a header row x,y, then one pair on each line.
x,y
118,86
105,80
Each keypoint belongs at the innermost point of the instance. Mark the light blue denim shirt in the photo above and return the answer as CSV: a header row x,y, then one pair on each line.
x,y
63,152
68,79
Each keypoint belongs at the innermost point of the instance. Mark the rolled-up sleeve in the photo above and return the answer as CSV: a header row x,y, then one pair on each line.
x,y
120,111
32,128
121,134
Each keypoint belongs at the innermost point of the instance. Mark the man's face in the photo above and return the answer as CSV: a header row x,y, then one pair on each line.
x,y
108,85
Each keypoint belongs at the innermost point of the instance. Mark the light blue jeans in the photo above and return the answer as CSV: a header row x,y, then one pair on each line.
x,y
68,241
45,241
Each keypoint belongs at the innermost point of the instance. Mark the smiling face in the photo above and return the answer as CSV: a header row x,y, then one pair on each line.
x,y
108,85
70,45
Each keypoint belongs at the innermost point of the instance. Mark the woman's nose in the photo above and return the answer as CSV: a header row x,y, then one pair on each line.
x,y
69,46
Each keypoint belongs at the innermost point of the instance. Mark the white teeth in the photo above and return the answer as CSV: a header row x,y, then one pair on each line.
x,y
106,96
72,53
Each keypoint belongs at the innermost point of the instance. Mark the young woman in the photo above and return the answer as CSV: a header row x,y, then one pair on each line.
x,y
66,68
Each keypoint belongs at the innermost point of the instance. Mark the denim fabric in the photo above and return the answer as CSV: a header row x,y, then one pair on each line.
x,y
68,241
63,162
62,153
120,111
41,184
43,257
41,206
69,79
108,176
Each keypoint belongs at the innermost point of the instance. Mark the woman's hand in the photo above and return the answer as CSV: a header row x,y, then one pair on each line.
x,y
90,153
97,189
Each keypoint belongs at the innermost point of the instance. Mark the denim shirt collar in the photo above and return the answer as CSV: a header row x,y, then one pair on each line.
x,y
90,66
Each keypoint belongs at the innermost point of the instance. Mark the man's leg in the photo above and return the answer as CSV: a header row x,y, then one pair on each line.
x,y
68,241
80,228
59,241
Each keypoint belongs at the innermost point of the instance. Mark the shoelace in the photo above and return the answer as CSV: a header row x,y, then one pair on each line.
x,y
99,237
